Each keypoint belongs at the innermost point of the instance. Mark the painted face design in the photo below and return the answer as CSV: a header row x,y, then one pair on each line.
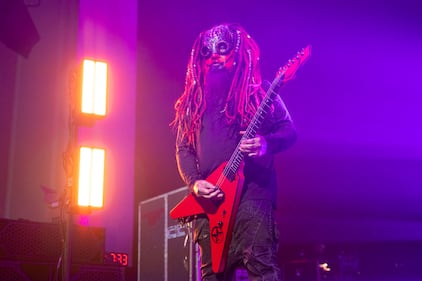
x,y
217,48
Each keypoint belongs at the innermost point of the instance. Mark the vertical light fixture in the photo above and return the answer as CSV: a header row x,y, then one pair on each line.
x,y
93,105
94,87
91,177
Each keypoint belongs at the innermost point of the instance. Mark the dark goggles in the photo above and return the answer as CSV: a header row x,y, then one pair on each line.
x,y
221,48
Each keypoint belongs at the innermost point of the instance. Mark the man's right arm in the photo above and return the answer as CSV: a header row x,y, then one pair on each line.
x,y
187,163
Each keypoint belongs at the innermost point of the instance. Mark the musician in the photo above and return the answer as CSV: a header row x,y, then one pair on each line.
x,y
223,90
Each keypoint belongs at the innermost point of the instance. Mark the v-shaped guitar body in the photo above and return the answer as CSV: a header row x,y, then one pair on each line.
x,y
221,214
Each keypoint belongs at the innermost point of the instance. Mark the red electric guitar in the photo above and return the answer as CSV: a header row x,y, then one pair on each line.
x,y
229,176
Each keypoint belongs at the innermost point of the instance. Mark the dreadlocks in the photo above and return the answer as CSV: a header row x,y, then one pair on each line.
x,y
244,95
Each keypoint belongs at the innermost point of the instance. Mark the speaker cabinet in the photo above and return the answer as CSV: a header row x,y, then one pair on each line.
x,y
35,271
43,242
97,273
164,254
17,30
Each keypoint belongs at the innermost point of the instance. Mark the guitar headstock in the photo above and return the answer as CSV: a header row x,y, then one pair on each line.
x,y
288,71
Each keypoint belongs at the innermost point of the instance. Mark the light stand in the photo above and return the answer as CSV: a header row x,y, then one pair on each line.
x,y
67,246
67,203
94,93
68,222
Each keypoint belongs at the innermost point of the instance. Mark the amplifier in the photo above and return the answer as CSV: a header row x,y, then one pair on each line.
x,y
36,271
22,240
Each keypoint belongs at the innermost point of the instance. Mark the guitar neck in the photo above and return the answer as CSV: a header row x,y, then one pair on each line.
x,y
250,132
285,74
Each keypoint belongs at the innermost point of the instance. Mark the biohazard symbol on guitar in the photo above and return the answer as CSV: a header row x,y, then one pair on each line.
x,y
217,234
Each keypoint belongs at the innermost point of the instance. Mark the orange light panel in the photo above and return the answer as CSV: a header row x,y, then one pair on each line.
x,y
94,87
91,177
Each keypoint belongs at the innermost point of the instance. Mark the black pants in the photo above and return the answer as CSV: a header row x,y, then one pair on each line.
x,y
254,244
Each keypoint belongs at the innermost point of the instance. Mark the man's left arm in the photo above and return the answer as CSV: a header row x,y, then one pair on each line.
x,y
279,130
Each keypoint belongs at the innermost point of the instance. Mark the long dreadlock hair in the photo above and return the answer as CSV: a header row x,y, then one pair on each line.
x,y
244,95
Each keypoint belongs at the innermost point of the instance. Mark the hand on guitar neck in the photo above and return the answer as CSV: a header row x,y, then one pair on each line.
x,y
253,147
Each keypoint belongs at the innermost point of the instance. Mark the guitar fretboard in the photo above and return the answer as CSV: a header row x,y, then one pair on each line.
x,y
286,73
250,132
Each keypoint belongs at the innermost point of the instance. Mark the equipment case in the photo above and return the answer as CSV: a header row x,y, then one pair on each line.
x,y
166,251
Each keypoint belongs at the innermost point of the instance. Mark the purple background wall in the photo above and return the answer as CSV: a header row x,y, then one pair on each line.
x,y
355,172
